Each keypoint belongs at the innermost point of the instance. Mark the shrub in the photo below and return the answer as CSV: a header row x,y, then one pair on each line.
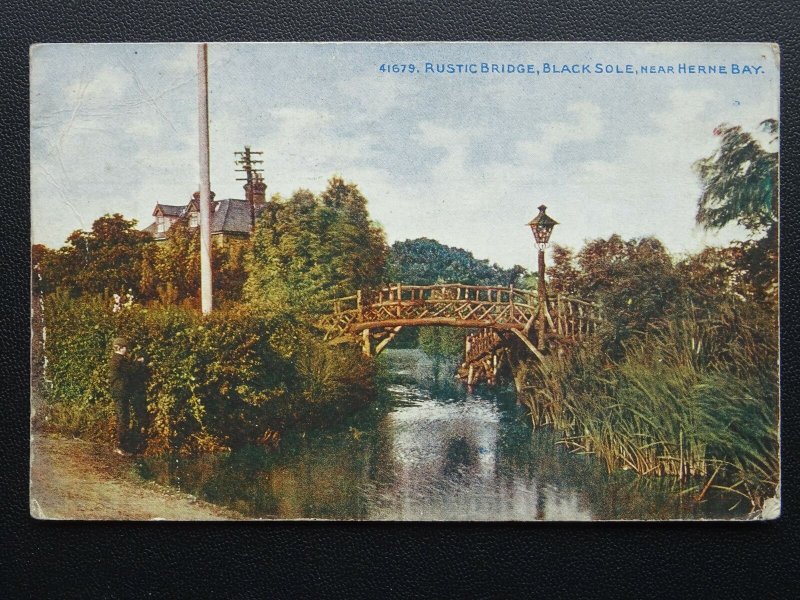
x,y
227,379
77,338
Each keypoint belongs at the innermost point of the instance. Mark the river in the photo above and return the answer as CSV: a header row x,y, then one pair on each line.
x,y
431,449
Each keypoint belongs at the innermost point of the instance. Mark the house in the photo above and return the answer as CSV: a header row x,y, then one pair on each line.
x,y
231,218
166,216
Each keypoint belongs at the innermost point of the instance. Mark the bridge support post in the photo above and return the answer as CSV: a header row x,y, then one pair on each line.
x,y
366,344
390,335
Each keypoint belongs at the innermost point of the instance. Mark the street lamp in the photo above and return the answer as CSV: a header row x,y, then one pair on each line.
x,y
542,226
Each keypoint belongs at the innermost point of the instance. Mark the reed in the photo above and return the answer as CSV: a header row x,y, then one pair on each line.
x,y
691,398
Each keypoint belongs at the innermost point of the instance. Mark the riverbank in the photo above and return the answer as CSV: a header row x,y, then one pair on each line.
x,y
81,480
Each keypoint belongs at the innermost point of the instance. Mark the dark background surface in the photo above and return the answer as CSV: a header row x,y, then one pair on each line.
x,y
696,560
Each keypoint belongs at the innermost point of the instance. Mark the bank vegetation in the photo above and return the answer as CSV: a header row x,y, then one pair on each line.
x,y
683,379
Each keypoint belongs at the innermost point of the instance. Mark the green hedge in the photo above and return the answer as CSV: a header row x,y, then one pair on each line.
x,y
227,379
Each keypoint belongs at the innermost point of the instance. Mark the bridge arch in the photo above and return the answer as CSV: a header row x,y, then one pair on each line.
x,y
373,318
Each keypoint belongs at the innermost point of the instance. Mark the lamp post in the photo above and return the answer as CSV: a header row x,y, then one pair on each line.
x,y
542,226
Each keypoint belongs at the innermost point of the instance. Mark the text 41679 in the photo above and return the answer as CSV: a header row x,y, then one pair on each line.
x,y
397,68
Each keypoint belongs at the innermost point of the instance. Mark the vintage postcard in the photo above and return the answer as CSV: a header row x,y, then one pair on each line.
x,y
405,281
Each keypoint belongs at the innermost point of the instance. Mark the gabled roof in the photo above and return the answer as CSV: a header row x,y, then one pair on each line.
x,y
169,210
231,216
152,229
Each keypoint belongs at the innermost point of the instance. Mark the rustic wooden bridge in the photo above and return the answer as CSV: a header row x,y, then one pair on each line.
x,y
501,314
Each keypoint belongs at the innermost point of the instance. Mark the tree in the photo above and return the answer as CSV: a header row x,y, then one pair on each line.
x,y
175,275
106,259
307,250
178,264
634,280
45,265
353,246
741,185
228,266
562,275
712,276
740,181
424,261
441,341
282,264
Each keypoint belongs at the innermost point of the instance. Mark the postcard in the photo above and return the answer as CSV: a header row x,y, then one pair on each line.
x,y
405,281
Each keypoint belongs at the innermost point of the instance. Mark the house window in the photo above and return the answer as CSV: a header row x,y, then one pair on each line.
x,y
194,219
160,224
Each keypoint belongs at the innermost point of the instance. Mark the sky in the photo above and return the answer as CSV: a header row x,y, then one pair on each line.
x,y
464,158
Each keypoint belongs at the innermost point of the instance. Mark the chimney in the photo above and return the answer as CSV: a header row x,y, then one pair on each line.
x,y
196,200
196,196
255,192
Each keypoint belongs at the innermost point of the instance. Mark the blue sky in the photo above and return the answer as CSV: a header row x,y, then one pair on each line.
x,y
464,159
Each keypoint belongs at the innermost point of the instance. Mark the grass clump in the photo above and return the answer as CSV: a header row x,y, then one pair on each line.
x,y
690,398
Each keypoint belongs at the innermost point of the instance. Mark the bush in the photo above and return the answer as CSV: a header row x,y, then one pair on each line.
x,y
217,381
77,336
442,341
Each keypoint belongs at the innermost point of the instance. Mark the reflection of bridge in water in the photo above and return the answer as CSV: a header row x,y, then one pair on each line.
x,y
503,316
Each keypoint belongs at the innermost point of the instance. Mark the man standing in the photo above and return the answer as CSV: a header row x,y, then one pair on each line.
x,y
127,382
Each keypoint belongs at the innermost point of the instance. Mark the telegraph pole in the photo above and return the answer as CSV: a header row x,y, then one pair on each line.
x,y
206,285
252,175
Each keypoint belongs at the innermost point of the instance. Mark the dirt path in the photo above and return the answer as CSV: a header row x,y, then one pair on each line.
x,y
75,479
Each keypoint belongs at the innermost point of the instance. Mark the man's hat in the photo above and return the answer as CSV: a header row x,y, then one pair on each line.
x,y
120,342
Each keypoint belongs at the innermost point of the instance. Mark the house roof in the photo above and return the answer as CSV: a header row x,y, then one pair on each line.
x,y
169,210
152,229
229,215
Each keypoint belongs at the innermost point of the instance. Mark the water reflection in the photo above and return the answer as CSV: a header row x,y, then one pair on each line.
x,y
433,451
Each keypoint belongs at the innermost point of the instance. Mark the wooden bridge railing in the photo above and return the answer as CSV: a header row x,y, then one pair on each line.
x,y
456,305
449,291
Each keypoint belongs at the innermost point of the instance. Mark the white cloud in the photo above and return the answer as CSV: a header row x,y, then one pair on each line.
x,y
464,160
651,188
583,124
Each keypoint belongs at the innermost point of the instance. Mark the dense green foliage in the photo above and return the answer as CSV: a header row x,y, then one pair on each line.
x,y
116,258
424,261
634,280
242,374
110,258
441,341
740,181
692,397
683,379
215,381
741,185
174,275
307,250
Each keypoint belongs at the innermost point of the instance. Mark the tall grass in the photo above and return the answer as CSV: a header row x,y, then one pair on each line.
x,y
690,398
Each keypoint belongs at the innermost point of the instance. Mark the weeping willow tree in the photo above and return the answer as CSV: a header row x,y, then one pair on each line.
x,y
741,185
740,181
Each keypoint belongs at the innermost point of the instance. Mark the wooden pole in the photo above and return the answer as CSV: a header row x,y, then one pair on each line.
x,y
388,339
206,284
399,299
366,346
542,301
